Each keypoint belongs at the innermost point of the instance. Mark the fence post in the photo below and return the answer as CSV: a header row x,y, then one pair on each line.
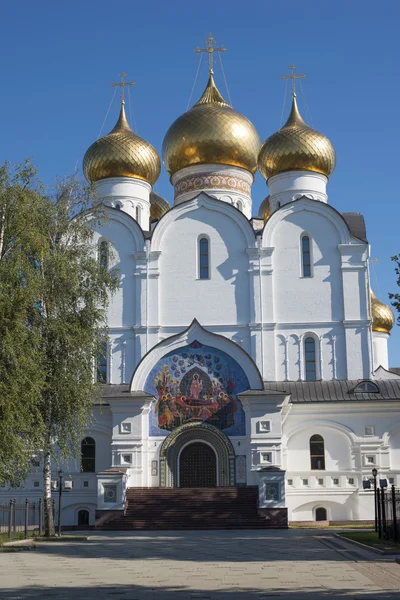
x,y
378,495
26,517
40,517
394,513
15,515
383,513
10,519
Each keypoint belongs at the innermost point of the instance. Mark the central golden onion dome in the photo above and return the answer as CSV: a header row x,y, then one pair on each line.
x,y
296,147
211,132
158,206
121,153
382,316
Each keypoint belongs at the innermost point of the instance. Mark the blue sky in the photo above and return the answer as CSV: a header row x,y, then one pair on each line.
x,y
59,59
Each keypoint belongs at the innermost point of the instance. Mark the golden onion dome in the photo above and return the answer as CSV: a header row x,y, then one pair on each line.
x,y
382,316
211,132
158,206
265,209
121,153
296,147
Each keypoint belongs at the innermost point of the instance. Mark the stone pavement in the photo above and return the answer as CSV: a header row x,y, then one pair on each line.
x,y
197,565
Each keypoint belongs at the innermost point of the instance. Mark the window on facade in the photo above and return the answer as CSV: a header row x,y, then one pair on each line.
x,y
204,259
83,517
366,387
317,452
101,364
88,455
103,254
310,359
240,205
320,514
306,256
138,211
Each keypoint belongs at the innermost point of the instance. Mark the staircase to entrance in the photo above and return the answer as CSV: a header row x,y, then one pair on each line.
x,y
192,508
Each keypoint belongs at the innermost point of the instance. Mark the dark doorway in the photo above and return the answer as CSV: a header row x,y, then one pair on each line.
x,y
197,466
83,517
320,514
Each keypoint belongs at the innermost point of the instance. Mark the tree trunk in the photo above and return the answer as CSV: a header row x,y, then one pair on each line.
x,y
49,529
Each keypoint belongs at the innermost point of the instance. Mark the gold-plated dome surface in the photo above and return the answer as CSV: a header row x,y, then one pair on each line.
x,y
121,153
211,132
382,316
158,206
296,147
265,209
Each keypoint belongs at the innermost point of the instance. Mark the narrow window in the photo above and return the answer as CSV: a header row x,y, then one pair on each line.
x,y
203,258
103,254
317,453
88,455
306,255
311,363
138,211
240,205
320,514
101,366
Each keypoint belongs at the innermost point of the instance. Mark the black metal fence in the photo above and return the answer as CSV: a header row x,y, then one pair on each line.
x,y
387,513
22,517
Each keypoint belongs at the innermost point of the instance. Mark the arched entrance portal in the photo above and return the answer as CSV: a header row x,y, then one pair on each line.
x,y
200,446
197,466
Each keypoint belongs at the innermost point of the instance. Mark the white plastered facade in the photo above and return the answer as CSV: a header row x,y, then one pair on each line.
x,y
257,307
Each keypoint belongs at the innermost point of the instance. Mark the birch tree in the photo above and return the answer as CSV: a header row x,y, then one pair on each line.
x,y
74,298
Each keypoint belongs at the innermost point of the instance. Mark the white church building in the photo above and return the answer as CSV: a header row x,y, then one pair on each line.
x,y
245,351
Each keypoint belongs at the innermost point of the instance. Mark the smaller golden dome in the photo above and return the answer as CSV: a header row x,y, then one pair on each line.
x,y
296,147
265,209
121,153
158,206
211,132
382,316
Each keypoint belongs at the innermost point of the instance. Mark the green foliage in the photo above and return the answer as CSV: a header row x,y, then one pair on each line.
x,y
395,298
53,302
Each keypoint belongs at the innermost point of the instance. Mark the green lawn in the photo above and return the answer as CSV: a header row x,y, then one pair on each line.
x,y
370,538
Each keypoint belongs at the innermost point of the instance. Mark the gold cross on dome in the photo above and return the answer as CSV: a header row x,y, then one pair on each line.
x,y
293,77
122,85
210,43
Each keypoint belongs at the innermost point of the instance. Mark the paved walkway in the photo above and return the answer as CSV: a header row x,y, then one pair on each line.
x,y
221,565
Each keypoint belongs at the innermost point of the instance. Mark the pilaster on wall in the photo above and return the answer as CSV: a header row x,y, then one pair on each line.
x,y
354,261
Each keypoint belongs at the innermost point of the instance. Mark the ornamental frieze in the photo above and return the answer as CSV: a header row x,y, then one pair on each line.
x,y
204,181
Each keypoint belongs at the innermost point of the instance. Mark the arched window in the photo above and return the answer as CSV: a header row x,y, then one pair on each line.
x,y
306,256
88,455
310,359
204,259
83,517
320,514
103,254
317,453
138,213
101,365
240,205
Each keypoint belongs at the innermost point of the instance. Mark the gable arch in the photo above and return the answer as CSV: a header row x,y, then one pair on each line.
x,y
128,222
195,332
184,208
306,204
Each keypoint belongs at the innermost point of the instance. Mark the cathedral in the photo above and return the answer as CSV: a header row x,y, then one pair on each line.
x,y
247,354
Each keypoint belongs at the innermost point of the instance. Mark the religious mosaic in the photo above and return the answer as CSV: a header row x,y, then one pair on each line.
x,y
197,383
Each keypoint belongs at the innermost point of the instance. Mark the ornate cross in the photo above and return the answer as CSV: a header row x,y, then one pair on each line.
x,y
293,77
122,85
210,43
